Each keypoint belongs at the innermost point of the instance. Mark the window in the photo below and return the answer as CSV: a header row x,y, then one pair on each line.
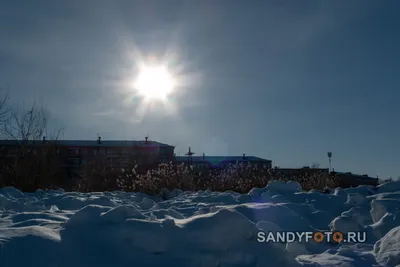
x,y
73,151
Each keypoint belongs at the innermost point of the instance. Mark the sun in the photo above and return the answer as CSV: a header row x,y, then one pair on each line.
x,y
154,82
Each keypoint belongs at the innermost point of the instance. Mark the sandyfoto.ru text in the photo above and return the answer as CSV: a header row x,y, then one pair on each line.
x,y
291,237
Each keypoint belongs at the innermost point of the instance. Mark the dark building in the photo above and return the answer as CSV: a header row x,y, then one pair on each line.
x,y
348,179
343,179
301,171
222,162
76,153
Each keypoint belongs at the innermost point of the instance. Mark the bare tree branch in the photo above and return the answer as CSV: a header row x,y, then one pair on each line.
x,y
4,112
56,135
28,124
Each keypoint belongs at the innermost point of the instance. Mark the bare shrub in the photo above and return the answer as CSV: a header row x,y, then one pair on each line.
x,y
237,177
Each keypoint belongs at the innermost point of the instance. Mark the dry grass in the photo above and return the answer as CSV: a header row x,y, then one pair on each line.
x,y
32,170
237,177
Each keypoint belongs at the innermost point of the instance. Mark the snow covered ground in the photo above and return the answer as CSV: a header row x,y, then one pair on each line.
x,y
57,229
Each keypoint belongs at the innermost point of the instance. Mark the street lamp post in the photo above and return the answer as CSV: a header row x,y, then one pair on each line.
x,y
330,156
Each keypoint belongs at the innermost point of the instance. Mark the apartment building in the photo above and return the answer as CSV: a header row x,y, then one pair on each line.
x,y
74,154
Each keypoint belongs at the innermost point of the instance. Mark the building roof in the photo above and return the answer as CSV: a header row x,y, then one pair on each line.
x,y
303,169
364,176
219,159
85,143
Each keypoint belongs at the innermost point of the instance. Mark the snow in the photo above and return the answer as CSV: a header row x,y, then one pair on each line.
x,y
387,249
57,228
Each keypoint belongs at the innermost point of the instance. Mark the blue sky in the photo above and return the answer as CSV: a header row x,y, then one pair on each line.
x,y
284,80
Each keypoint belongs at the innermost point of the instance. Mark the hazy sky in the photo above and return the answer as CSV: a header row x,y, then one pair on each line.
x,y
284,80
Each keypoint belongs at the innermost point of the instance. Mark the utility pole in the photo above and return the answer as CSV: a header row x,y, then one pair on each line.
x,y
330,162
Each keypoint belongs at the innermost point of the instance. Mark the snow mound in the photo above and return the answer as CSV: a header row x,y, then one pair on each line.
x,y
344,256
385,224
379,207
345,224
55,228
355,199
389,187
387,249
282,187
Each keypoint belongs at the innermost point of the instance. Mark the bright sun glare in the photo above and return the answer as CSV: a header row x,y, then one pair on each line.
x,y
154,82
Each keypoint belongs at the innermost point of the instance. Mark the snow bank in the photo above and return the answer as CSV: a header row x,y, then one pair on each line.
x,y
389,187
387,249
343,256
55,228
379,207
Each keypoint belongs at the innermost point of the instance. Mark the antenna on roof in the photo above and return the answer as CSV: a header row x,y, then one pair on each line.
x,y
190,154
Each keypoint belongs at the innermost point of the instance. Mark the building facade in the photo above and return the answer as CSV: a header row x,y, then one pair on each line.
x,y
222,162
75,154
301,171
348,179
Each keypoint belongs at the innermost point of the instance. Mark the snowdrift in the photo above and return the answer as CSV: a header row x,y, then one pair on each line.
x,y
55,228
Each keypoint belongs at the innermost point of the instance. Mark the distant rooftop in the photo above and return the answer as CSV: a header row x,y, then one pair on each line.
x,y
303,170
85,143
219,159
356,175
